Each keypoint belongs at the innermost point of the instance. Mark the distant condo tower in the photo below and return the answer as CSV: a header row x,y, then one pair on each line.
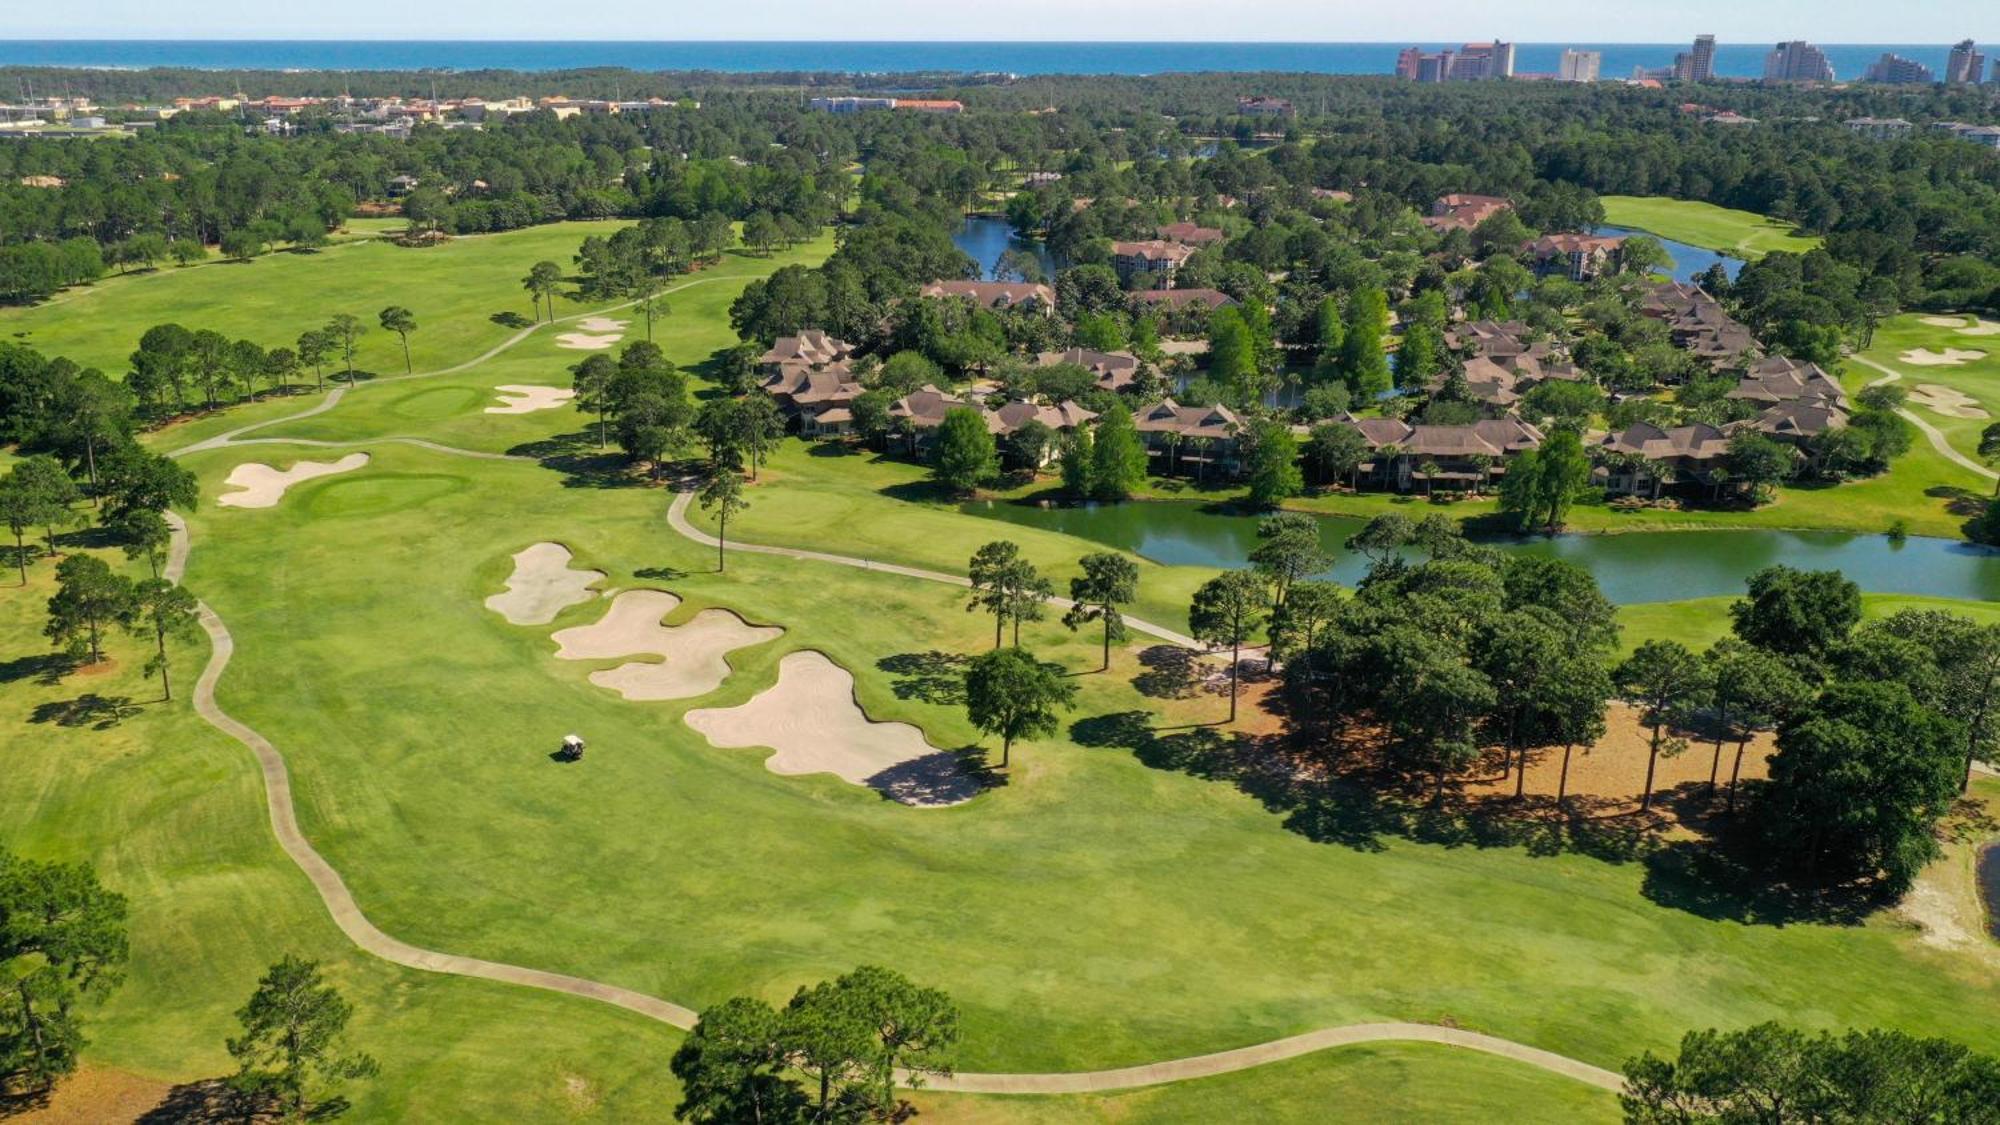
x,y
1580,66
1797,61
1966,66
1479,61
1895,70
1472,63
1697,65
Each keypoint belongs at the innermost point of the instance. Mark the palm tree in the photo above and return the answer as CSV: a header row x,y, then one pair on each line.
x,y
1430,469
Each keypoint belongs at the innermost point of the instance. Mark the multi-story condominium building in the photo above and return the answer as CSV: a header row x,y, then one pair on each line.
x,y
1478,61
1966,66
1697,65
1579,66
1797,61
1895,70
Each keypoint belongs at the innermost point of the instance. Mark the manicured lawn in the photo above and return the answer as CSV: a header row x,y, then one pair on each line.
x,y
420,725
1977,378
1107,906
1700,622
454,289
1743,234
171,813
451,408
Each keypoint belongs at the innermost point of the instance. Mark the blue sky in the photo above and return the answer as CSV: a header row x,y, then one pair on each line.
x,y
1527,21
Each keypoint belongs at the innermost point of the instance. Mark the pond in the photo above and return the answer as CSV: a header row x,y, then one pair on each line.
x,y
1989,887
987,238
1689,261
1651,566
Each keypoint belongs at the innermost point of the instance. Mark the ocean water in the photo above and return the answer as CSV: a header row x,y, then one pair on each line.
x,y
1736,60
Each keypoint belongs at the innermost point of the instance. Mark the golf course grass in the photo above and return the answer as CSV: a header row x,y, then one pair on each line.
x,y
1741,234
1975,374
1132,893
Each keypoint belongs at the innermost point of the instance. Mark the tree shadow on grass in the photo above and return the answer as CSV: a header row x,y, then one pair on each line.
x,y
946,777
919,492
581,461
510,320
660,573
930,677
1961,502
98,712
1169,672
45,667
214,1100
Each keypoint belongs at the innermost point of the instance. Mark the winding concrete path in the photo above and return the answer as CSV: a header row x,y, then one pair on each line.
x,y
347,913
677,519
1930,432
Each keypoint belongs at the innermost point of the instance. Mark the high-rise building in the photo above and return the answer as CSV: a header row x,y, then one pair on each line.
x,y
1895,70
1414,64
1965,66
1477,61
1435,68
1697,65
1579,66
1797,61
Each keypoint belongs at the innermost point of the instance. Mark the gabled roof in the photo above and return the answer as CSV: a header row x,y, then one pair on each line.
x,y
1801,419
810,346
987,294
1112,370
1168,416
1193,234
1153,250
1697,442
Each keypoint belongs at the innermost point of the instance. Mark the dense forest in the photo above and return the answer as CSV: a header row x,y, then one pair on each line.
x,y
1922,212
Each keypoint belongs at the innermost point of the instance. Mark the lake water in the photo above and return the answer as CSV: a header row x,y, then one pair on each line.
x,y
1650,566
987,238
1689,261
1732,60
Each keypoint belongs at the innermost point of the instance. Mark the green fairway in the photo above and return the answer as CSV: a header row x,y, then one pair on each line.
x,y
1141,887
1742,234
454,289
1903,343
421,747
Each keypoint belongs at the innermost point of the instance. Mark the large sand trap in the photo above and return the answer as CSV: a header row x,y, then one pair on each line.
x,y
584,342
1944,321
543,584
1981,327
1948,401
1950,357
526,398
810,718
263,486
602,324
691,656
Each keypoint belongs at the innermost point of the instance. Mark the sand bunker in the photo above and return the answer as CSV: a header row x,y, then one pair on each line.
x,y
1943,321
263,486
691,655
1980,327
543,584
602,324
583,342
525,398
1950,357
810,718
1947,401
